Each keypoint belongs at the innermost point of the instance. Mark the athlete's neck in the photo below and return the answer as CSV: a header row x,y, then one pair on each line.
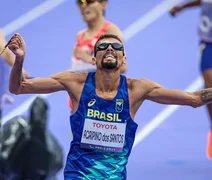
x,y
107,81
96,24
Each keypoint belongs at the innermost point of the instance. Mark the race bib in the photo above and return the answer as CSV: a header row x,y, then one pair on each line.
x,y
104,136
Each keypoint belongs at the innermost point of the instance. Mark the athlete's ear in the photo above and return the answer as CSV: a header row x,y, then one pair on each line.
x,y
93,60
124,60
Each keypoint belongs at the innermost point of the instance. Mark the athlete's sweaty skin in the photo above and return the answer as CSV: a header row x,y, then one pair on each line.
x,y
107,83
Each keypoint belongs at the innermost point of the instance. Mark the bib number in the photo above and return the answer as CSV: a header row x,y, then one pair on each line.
x,y
104,136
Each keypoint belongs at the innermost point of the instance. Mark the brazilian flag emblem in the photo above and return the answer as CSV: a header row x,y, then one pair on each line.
x,y
119,105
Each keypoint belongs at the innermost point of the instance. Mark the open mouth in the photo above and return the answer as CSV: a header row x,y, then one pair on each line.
x,y
109,60
110,56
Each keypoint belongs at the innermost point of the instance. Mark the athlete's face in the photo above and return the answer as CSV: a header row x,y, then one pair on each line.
x,y
91,10
109,55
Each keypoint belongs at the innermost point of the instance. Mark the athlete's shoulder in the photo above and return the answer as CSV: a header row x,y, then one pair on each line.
x,y
79,77
80,33
114,29
140,83
70,76
112,25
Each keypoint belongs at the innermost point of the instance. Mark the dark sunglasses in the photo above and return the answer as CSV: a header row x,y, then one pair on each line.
x,y
87,1
104,46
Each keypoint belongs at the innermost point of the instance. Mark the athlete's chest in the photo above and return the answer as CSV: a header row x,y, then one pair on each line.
x,y
112,111
105,123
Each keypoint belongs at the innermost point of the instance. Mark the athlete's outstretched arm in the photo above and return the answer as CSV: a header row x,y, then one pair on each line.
x,y
37,85
162,95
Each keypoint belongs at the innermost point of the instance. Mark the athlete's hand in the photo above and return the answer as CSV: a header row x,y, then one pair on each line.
x,y
17,46
175,10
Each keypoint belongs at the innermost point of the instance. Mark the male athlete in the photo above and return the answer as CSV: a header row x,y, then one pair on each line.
x,y
104,104
205,36
93,14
